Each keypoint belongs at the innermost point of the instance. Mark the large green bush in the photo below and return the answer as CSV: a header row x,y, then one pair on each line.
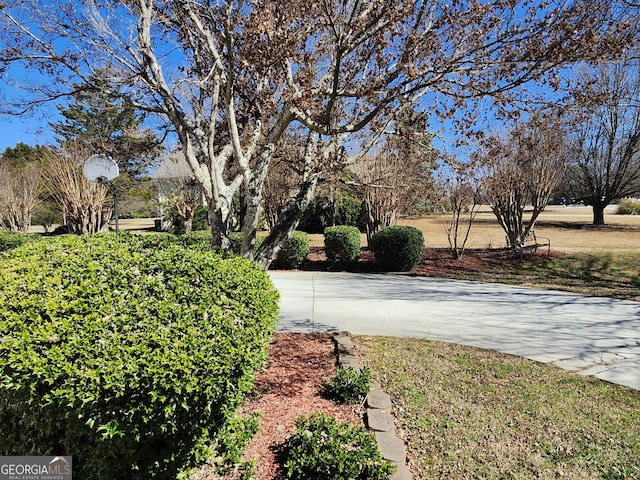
x,y
130,354
322,448
342,244
294,250
629,206
320,214
398,248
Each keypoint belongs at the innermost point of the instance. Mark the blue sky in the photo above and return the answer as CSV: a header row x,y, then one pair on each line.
x,y
32,128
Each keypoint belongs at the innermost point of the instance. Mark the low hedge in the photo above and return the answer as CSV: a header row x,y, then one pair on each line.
x,y
10,240
294,251
398,248
129,355
342,244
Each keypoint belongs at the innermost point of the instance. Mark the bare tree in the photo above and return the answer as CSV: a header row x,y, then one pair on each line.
x,y
283,178
523,169
178,189
85,205
19,190
605,161
229,78
462,194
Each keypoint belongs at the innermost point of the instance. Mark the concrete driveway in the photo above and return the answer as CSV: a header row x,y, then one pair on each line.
x,y
588,335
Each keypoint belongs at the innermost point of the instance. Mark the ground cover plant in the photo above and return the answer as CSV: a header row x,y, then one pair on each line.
x,y
470,413
131,354
322,447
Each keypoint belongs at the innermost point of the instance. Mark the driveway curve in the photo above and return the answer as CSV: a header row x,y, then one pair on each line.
x,y
589,335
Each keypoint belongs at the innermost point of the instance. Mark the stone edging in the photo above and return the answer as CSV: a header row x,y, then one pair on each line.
x,y
378,417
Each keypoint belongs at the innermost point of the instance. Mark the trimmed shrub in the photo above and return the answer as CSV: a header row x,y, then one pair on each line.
x,y
10,240
318,214
130,357
294,250
236,241
398,248
629,206
321,447
350,386
342,244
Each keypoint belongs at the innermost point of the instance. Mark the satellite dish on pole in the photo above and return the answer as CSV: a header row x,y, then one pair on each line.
x,y
100,169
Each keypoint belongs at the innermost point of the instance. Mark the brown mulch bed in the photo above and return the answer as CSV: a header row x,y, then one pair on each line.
x,y
436,262
299,364
292,385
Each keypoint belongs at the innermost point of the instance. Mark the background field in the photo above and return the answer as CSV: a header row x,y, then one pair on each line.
x,y
568,228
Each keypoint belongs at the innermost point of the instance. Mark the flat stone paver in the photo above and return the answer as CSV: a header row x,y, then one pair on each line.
x,y
577,332
379,420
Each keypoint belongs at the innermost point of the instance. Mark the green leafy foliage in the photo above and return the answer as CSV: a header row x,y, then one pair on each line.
x,y
349,385
320,214
342,244
236,241
629,206
398,248
10,240
294,250
129,353
322,448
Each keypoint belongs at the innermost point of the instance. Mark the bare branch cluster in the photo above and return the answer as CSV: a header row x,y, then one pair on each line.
x,y
522,170
230,78
84,204
19,189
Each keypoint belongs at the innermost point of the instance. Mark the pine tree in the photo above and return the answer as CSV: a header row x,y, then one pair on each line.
x,y
105,123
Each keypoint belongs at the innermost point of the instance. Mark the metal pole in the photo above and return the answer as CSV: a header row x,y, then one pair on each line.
x,y
114,192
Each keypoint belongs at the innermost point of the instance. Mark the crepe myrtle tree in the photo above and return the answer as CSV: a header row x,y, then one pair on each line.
x,y
523,168
229,78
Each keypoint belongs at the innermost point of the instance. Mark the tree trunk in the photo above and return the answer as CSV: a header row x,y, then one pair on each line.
x,y
598,214
219,221
287,222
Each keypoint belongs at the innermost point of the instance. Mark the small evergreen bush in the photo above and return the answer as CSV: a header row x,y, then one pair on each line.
x,y
629,206
236,241
322,448
129,353
294,250
350,386
342,244
398,248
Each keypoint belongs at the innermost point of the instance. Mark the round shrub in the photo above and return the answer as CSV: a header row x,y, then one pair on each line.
x,y
236,241
130,357
398,248
294,250
350,386
321,447
629,206
342,244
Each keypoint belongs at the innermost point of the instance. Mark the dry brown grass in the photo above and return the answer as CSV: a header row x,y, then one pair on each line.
x,y
468,413
569,230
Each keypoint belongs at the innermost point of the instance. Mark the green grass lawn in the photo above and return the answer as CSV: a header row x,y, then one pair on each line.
x,y
597,273
468,413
